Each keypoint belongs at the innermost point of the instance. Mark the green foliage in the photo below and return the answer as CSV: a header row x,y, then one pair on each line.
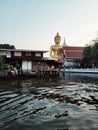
x,y
90,53
1,62
7,46
77,62
95,52
87,53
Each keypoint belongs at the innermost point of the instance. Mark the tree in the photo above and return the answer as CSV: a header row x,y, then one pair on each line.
x,y
77,62
7,46
95,52
90,54
1,62
87,55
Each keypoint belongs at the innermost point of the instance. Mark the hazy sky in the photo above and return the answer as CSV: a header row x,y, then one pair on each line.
x,y
32,24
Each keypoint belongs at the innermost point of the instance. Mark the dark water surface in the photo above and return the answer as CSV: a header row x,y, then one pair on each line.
x,y
68,102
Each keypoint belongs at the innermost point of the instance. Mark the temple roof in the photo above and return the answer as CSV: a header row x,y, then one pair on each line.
x,y
72,52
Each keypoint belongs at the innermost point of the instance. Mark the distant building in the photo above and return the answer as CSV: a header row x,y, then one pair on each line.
x,y
71,52
28,60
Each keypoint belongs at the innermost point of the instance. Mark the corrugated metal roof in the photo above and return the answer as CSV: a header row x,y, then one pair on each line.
x,y
23,50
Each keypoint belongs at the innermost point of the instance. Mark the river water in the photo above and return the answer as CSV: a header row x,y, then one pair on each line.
x,y
68,102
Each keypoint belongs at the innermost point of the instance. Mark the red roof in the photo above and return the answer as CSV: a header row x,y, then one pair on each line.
x,y
72,52
72,48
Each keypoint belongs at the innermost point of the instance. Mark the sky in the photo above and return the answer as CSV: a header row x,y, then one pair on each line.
x,y
33,24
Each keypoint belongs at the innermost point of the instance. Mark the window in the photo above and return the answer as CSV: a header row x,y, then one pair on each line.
x,y
38,54
2,53
27,53
17,53
8,54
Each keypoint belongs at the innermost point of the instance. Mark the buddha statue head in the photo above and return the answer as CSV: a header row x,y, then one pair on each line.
x,y
57,39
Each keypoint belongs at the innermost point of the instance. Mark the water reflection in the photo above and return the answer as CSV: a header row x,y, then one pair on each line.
x,y
68,102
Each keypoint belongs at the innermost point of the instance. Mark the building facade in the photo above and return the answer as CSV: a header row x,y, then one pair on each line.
x,y
28,60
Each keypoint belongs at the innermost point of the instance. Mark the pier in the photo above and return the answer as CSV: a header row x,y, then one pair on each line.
x,y
34,74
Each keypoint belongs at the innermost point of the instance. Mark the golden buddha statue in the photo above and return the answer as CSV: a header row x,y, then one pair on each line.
x,y
54,48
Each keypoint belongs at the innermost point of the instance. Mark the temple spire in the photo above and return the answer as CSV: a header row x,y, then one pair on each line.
x,y
64,43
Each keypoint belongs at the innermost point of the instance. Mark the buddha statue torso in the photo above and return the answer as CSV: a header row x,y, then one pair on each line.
x,y
54,48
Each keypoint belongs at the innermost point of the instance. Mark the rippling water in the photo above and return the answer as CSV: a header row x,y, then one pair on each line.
x,y
68,102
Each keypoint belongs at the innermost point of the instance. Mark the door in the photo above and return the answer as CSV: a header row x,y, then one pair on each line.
x,y
27,65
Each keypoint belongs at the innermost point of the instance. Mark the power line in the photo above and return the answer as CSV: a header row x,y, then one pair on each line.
x,y
86,37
